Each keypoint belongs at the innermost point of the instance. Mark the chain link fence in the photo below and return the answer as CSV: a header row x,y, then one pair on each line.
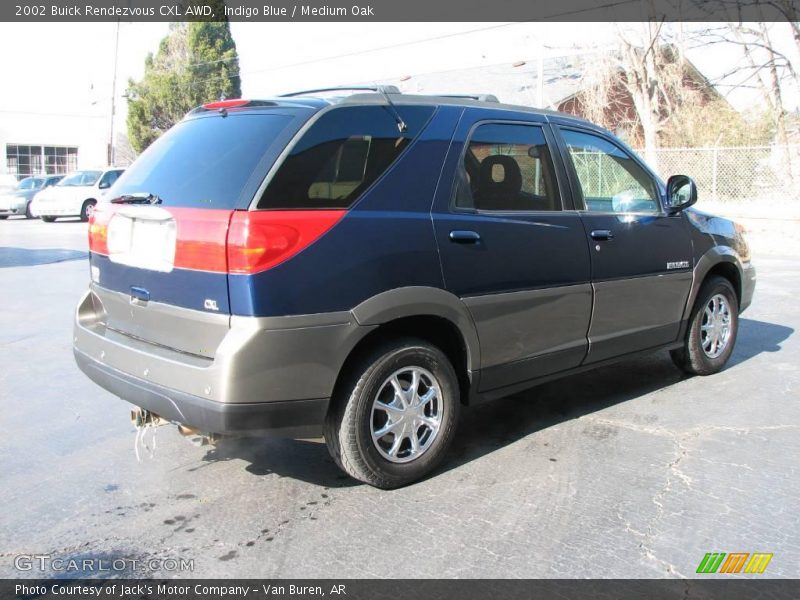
x,y
730,174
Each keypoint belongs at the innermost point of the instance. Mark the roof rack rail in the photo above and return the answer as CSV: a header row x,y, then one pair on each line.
x,y
478,97
380,89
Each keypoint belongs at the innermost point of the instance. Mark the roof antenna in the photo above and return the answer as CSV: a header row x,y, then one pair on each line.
x,y
401,125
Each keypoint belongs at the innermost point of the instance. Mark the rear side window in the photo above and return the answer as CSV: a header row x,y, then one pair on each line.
x,y
204,162
507,167
341,155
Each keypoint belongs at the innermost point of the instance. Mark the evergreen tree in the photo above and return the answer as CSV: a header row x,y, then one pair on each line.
x,y
196,63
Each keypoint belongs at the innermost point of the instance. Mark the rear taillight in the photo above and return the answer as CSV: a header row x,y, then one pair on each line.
x,y
200,239
98,229
259,240
256,241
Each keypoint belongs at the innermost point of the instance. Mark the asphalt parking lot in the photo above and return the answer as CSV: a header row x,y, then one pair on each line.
x,y
633,470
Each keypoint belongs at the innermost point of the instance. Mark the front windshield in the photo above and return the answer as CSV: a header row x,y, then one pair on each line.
x,y
80,178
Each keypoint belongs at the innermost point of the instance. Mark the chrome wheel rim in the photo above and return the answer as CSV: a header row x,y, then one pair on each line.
x,y
406,414
715,330
89,211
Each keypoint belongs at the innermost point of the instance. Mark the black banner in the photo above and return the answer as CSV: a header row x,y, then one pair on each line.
x,y
398,10
349,589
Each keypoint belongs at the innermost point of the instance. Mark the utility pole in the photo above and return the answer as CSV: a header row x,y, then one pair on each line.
x,y
540,76
111,148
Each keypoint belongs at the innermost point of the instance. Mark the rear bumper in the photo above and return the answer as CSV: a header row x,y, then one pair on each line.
x,y
298,418
271,374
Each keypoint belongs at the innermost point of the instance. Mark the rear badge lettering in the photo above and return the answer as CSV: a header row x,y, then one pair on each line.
x,y
210,304
680,264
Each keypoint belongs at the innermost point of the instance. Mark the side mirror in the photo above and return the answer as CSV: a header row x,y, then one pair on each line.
x,y
681,193
104,185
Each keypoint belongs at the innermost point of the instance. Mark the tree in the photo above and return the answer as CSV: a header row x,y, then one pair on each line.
x,y
195,63
639,89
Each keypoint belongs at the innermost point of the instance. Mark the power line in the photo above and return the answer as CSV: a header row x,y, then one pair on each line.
x,y
352,53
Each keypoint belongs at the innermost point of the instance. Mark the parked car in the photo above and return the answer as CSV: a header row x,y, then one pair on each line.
x,y
18,201
74,196
7,183
362,266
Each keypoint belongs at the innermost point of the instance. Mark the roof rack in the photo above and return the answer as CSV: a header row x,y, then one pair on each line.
x,y
478,97
380,89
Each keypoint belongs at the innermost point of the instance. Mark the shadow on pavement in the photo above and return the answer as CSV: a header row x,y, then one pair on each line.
x,y
487,427
306,460
29,257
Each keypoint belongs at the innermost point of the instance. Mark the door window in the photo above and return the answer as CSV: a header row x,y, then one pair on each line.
x,y
507,168
611,181
109,178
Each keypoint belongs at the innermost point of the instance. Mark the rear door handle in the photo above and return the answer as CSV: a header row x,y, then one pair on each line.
x,y
602,235
460,236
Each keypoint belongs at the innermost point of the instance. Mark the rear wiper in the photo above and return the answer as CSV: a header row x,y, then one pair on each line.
x,y
140,198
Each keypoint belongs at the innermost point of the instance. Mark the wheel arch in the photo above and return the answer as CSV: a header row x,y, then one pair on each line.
x,y
719,261
431,314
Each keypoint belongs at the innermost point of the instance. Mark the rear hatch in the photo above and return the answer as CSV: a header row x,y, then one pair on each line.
x,y
158,251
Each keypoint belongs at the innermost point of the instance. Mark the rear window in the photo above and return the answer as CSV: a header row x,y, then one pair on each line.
x,y
341,155
204,162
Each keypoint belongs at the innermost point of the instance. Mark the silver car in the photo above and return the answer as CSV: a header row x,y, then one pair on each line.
x,y
17,201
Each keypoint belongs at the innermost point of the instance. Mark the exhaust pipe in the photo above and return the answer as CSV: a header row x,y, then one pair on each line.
x,y
141,417
197,437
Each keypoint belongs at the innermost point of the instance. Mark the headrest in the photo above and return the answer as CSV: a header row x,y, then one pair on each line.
x,y
499,178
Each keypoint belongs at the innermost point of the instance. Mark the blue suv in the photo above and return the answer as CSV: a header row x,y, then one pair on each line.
x,y
361,265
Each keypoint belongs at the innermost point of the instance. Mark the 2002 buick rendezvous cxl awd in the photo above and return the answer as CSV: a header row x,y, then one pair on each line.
x,y
362,265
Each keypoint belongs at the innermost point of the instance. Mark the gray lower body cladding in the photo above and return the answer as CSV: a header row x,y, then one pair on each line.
x,y
265,374
292,418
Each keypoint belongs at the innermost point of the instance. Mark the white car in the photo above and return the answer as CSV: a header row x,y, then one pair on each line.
x,y
74,196
7,183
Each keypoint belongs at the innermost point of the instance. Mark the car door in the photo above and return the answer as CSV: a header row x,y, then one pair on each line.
x,y
513,249
641,257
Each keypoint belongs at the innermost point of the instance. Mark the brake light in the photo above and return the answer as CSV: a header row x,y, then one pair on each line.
x,y
226,104
98,229
260,240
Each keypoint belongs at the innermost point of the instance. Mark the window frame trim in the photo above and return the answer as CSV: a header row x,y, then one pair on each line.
x,y
552,147
577,188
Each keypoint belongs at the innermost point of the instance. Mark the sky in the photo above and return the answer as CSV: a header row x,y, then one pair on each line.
x,y
70,69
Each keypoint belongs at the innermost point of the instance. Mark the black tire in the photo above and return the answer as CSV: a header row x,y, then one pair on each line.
x,y
349,423
48,219
692,358
86,209
3,217
28,213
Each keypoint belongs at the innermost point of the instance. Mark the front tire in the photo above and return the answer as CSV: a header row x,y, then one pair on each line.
x,y
713,326
28,213
394,416
87,209
48,219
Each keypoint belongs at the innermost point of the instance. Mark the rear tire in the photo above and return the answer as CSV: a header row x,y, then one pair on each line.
x,y
48,219
379,395
3,217
87,209
712,330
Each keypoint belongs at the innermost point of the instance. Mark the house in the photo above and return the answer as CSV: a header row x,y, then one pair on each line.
x,y
563,86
